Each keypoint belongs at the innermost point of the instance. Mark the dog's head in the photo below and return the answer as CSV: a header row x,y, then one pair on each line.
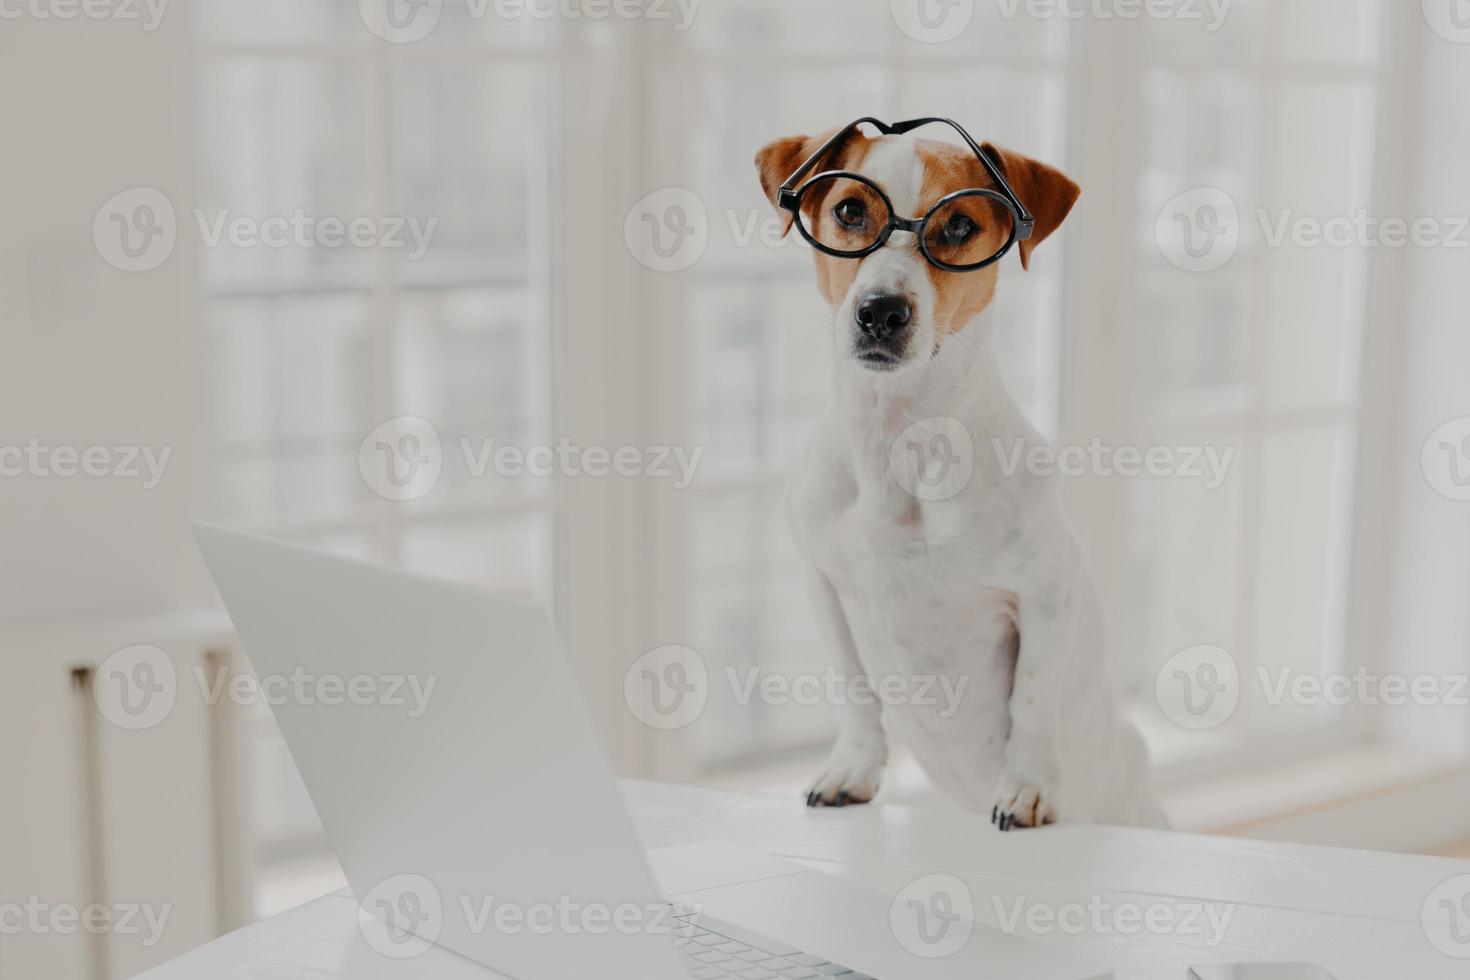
x,y
893,308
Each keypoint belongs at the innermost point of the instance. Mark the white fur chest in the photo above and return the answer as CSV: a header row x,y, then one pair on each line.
x,y
908,572
897,503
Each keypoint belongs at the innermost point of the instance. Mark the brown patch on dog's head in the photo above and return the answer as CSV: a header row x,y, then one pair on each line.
x,y
1045,191
961,296
778,159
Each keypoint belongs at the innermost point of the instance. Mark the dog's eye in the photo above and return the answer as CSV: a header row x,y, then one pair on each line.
x,y
958,229
851,213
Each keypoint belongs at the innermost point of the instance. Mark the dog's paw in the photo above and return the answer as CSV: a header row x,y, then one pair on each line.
x,y
1021,804
852,776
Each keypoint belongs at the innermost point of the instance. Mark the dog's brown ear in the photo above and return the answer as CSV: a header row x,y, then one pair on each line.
x,y
1047,193
776,161
779,159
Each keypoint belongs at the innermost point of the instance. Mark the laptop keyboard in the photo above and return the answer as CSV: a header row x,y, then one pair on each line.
x,y
716,950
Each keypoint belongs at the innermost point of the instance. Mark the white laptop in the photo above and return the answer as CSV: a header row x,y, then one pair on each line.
x,y
451,760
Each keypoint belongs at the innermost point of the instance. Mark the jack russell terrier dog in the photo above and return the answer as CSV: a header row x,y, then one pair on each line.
x,y
928,558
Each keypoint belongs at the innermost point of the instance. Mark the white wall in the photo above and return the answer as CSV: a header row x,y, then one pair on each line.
x,y
94,356
1428,576
91,356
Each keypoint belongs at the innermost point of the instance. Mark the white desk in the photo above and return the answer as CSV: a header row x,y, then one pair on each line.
x,y
1358,912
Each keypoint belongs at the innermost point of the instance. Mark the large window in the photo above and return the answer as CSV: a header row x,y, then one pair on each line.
x,y
529,143
308,117
1253,349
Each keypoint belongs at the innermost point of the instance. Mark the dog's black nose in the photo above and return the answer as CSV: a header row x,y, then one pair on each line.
x,y
882,315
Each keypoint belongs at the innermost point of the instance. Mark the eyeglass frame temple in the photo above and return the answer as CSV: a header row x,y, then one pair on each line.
x,y
788,199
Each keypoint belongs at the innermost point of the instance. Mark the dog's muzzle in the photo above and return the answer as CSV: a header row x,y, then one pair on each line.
x,y
882,321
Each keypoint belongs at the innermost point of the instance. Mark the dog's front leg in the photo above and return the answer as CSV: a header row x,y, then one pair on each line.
x,y
856,765
1026,794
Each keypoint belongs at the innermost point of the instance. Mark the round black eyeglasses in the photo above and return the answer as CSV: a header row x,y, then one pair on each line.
x,y
847,215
